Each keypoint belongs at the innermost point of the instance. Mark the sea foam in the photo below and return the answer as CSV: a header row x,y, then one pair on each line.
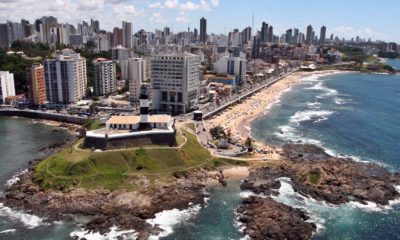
x,y
30,221
113,234
167,219
310,115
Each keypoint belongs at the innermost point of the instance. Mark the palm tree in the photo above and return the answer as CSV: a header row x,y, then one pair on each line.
x,y
249,144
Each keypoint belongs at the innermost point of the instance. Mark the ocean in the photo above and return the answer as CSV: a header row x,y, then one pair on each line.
x,y
353,114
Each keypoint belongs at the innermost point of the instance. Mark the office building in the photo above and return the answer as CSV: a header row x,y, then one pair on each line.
x,y
5,35
175,82
7,87
309,35
37,84
134,70
66,80
264,32
127,35
232,66
322,35
270,34
203,30
296,36
288,36
105,80
255,52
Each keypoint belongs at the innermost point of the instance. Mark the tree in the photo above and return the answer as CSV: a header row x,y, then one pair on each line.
x,y
93,108
217,132
249,144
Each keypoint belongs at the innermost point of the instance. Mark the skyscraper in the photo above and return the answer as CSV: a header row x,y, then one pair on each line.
x,y
127,34
175,81
104,81
309,35
255,53
37,84
270,34
288,36
264,32
203,30
95,26
296,35
5,35
322,35
66,78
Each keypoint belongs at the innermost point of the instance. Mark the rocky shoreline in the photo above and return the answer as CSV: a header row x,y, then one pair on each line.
x,y
313,173
123,209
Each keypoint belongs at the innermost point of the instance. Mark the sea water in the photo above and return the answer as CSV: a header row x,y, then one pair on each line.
x,y
354,114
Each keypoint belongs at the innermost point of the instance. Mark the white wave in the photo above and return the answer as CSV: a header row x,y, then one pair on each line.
x,y
308,115
246,194
167,219
15,178
314,105
289,133
30,221
339,101
8,231
114,234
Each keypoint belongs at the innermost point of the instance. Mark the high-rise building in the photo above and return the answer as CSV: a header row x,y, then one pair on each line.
x,y
134,70
117,37
322,35
105,80
309,35
7,87
37,84
295,35
195,35
175,82
127,34
246,35
203,30
288,36
66,79
5,35
95,26
255,53
270,34
264,32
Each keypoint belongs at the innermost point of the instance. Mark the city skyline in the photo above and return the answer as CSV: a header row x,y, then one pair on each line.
x,y
180,14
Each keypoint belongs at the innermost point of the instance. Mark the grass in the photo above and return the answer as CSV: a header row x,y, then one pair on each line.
x,y
191,126
115,169
314,178
93,124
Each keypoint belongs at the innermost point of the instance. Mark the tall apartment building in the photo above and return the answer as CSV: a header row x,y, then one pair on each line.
x,y
134,71
175,82
322,35
203,30
309,35
7,87
5,35
105,80
127,34
66,79
37,84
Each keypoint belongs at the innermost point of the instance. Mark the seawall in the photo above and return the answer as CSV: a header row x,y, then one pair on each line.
x,y
43,115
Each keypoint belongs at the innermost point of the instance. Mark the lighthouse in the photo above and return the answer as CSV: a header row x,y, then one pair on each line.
x,y
144,109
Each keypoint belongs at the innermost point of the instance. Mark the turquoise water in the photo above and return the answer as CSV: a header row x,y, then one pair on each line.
x,y
353,114
394,63
20,142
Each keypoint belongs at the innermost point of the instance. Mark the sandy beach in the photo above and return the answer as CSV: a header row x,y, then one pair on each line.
x,y
238,117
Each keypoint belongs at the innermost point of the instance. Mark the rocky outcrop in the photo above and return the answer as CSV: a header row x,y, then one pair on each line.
x,y
316,174
126,210
264,218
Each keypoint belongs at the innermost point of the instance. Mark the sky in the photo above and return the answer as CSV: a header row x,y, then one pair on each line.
x,y
375,19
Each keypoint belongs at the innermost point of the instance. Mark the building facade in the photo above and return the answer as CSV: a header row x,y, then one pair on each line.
x,y
119,53
134,70
105,79
175,82
127,34
37,84
232,66
66,79
203,30
7,87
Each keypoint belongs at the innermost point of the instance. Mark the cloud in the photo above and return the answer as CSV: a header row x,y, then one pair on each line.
x,y
183,18
158,18
202,5
350,32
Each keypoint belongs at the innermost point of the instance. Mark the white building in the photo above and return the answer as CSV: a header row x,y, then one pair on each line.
x,y
232,66
105,80
66,80
7,88
175,82
134,70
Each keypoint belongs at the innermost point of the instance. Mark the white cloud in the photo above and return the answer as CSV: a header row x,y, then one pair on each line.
x,y
182,18
350,32
203,5
158,18
171,4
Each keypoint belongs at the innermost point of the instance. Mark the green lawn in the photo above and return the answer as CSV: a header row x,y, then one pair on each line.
x,y
116,169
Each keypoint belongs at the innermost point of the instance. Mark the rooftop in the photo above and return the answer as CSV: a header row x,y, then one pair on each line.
x,y
159,118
